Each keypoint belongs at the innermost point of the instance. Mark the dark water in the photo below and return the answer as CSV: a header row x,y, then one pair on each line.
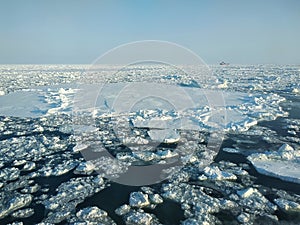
x,y
109,199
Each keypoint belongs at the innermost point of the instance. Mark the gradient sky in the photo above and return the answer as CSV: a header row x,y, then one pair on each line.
x,y
70,31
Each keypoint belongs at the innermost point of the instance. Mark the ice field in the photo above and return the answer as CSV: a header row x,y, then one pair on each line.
x,y
68,140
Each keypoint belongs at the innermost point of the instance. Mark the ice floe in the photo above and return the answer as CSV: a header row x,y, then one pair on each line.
x,y
283,164
12,203
138,199
241,110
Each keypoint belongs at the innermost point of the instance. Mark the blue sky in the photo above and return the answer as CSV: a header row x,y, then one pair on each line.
x,y
242,32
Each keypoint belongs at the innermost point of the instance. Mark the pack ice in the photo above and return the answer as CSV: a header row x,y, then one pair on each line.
x,y
190,108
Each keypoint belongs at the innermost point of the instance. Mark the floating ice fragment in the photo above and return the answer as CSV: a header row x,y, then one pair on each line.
x,y
79,147
246,193
286,147
23,213
243,218
231,150
29,166
145,156
191,221
17,223
138,199
137,218
155,198
57,217
135,140
286,205
84,168
19,162
296,90
31,189
122,210
165,154
214,173
9,174
91,214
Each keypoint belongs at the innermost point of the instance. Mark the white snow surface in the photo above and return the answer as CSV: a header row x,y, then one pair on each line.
x,y
230,111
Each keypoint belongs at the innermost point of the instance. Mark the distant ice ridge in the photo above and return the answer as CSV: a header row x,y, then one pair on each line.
x,y
240,111
283,164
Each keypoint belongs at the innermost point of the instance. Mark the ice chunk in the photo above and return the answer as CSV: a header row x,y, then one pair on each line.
x,y
286,205
253,200
246,193
166,154
155,198
145,156
79,147
31,189
91,214
243,218
214,173
17,223
135,140
19,162
286,147
29,166
138,199
191,221
9,174
137,218
84,168
231,150
296,90
57,217
23,213
122,210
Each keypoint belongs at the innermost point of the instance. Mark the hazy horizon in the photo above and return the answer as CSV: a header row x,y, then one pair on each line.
x,y
78,32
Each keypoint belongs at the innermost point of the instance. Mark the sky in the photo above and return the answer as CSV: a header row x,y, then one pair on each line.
x,y
73,31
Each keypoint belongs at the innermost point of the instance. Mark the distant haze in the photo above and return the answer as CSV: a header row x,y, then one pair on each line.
x,y
72,31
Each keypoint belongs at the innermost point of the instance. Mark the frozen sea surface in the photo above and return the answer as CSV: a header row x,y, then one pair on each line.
x,y
253,180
